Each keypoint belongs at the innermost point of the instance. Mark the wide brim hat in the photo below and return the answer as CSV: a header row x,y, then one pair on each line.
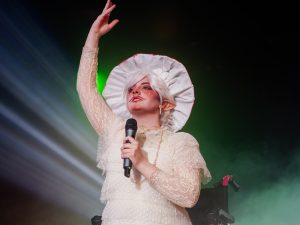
x,y
172,72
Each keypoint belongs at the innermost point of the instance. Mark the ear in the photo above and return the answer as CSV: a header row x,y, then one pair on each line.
x,y
166,105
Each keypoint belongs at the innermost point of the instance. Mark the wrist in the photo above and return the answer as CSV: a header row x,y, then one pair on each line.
x,y
90,49
145,168
92,41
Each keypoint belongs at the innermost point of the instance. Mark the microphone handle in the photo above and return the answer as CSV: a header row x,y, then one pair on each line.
x,y
127,172
127,165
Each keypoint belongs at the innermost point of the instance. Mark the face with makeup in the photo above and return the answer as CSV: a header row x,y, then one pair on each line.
x,y
141,98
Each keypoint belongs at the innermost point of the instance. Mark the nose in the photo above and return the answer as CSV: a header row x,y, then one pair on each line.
x,y
136,90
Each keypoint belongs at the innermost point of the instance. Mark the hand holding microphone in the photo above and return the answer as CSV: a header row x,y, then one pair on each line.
x,y
130,146
130,150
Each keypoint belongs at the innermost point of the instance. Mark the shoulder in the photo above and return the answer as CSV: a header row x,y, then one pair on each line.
x,y
182,137
185,147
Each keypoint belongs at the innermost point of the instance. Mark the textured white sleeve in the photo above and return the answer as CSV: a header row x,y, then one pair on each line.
x,y
97,111
182,186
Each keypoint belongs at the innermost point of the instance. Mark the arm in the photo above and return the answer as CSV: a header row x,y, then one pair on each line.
x,y
182,186
98,113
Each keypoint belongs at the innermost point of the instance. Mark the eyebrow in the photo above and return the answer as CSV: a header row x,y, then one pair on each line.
x,y
145,83
140,84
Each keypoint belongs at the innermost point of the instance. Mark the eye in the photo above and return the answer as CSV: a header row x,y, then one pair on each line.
x,y
129,90
147,87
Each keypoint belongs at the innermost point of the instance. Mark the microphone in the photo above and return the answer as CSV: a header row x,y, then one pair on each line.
x,y
130,130
96,220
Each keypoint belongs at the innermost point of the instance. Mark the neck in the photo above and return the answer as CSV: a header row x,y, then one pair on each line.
x,y
148,121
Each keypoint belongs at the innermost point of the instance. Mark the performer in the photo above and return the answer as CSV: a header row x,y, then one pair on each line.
x,y
168,168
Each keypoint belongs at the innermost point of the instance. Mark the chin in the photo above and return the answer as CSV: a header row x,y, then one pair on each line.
x,y
135,107
139,108
132,108
136,111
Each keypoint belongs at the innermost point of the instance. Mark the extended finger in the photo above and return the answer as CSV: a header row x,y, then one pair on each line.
x,y
108,3
113,23
105,14
108,11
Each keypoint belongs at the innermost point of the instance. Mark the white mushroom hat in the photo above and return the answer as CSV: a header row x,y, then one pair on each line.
x,y
172,72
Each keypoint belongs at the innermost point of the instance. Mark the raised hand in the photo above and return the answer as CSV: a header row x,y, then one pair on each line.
x,y
101,25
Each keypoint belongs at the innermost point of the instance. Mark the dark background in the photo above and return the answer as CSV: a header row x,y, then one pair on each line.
x,y
243,60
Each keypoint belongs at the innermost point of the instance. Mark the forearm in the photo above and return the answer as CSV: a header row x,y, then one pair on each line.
x,y
92,40
94,106
181,190
146,168
86,78
178,190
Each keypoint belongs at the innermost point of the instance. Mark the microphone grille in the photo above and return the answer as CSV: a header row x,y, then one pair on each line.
x,y
131,124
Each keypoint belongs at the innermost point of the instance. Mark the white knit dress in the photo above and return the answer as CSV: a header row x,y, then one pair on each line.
x,y
175,184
